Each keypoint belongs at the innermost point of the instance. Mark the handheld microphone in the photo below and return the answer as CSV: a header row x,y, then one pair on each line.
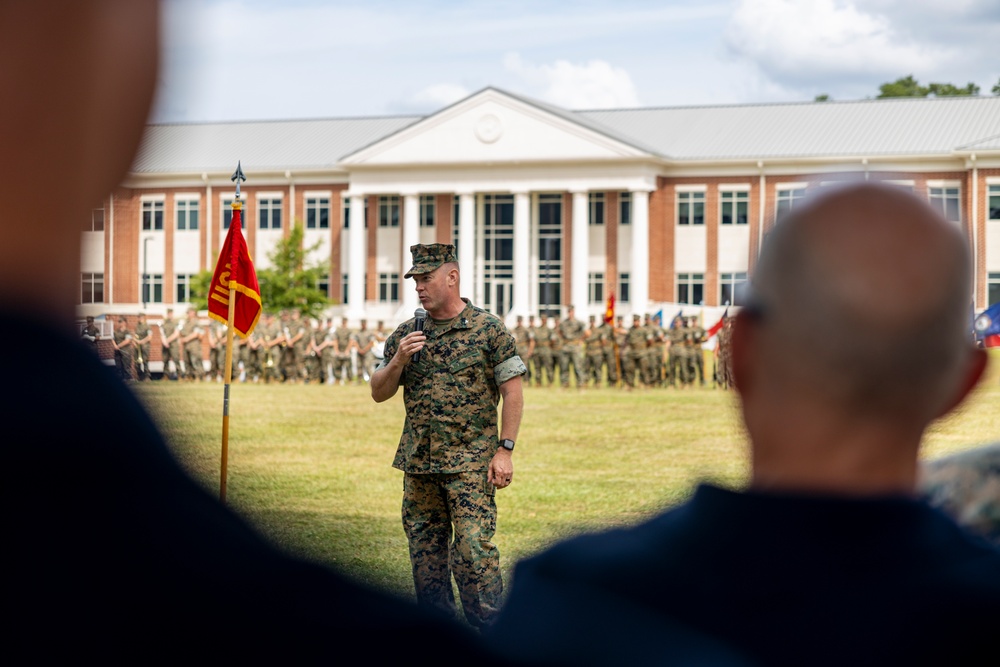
x,y
420,316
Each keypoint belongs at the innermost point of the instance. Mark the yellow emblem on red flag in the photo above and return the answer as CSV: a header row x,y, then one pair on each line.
x,y
234,270
609,311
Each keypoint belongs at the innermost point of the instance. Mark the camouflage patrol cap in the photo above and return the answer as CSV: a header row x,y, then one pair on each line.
x,y
428,257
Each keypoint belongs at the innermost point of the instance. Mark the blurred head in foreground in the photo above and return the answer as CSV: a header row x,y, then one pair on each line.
x,y
853,341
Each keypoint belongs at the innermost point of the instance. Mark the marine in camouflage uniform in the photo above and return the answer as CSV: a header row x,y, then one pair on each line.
x,y
618,346
170,341
122,340
724,354
449,449
141,347
524,338
366,351
545,364
274,337
696,356
344,342
191,335
594,346
676,355
635,341
571,332
653,371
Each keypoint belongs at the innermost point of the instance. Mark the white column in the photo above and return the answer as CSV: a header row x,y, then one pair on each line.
x,y
581,253
640,252
357,263
411,236
522,254
467,243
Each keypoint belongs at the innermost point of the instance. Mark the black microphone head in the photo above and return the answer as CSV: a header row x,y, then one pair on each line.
x,y
420,314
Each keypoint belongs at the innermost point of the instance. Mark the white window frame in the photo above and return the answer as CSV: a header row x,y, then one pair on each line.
x,y
152,204
597,209
314,203
275,202
690,280
944,196
183,203
690,195
595,287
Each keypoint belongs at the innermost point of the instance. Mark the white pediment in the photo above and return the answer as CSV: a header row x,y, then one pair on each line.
x,y
494,127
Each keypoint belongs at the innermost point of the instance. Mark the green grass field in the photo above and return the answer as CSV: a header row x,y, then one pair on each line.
x,y
310,465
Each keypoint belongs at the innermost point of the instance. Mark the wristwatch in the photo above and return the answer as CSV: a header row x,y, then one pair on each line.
x,y
507,444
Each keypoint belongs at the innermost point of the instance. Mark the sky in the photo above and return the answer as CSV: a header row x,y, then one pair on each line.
x,y
228,60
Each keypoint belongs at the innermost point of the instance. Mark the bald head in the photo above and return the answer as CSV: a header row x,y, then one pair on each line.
x,y
864,295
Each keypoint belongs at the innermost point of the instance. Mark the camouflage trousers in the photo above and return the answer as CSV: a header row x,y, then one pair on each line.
x,y
544,366
678,370
572,355
449,520
633,363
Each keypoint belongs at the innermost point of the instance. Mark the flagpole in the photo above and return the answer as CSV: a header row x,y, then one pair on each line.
x,y
237,206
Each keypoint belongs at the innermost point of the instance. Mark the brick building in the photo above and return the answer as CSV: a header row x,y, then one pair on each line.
x,y
546,206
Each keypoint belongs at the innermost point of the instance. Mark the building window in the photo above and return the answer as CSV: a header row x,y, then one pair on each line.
x,y
690,208
945,200
730,288
993,203
595,205
786,200
323,284
318,213
550,263
595,288
426,210
456,208
152,216
344,291
623,284
152,288
734,207
992,288
97,220
269,213
388,211
691,288
227,212
183,288
187,215
388,287
92,288
625,208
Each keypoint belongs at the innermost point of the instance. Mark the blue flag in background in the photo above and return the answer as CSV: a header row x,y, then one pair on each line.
x,y
673,320
987,326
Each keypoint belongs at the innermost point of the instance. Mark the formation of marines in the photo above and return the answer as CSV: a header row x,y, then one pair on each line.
x,y
599,353
283,348
290,348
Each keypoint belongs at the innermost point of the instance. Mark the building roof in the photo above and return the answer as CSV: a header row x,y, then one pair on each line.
x,y
899,126
261,145
867,128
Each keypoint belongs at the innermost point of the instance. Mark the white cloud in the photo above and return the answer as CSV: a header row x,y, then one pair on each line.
x,y
591,85
798,42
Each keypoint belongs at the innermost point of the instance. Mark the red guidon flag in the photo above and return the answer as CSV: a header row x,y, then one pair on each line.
x,y
235,270
609,312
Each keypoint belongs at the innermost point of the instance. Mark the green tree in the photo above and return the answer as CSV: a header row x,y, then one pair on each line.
x,y
200,282
822,97
292,282
910,87
996,89
904,87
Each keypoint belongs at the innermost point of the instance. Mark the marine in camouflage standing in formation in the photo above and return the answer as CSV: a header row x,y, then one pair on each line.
x,y
655,347
169,340
366,351
724,354
676,354
620,342
122,340
525,341
695,336
594,346
452,453
274,338
635,350
140,350
544,355
571,332
191,333
344,342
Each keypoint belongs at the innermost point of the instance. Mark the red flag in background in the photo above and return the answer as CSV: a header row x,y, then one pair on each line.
x,y
718,325
235,270
609,312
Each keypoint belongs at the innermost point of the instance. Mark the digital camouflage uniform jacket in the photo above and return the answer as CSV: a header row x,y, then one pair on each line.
x,y
451,394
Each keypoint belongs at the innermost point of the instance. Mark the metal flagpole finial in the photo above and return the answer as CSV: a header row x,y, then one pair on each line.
x,y
238,177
